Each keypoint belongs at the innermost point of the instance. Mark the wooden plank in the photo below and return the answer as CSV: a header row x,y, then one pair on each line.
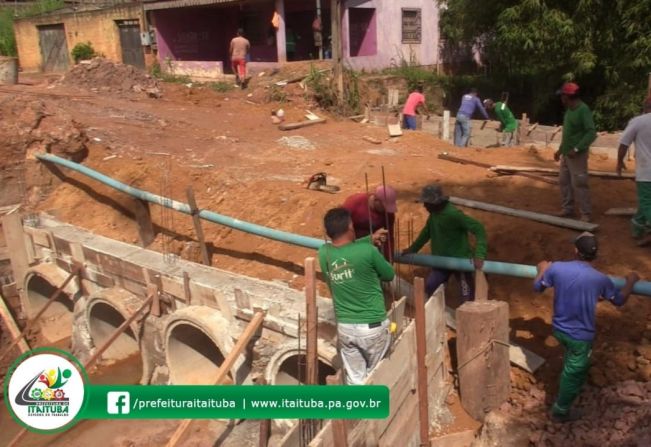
x,y
143,219
530,215
423,406
187,293
445,156
481,286
554,171
222,373
397,314
12,228
10,323
312,367
224,306
197,226
621,212
339,429
301,124
394,130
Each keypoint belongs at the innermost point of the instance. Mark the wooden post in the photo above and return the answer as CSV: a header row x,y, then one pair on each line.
x,y
143,218
281,42
196,220
649,88
446,125
339,430
152,291
250,330
483,355
312,323
38,315
421,342
5,313
186,289
265,425
12,227
337,47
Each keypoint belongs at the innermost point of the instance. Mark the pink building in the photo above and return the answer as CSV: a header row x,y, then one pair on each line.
x,y
192,36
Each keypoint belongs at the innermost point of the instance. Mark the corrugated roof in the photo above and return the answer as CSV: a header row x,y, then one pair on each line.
x,y
150,6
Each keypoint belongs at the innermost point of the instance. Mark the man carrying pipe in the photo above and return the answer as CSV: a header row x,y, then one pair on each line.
x,y
353,269
447,230
638,131
368,214
577,288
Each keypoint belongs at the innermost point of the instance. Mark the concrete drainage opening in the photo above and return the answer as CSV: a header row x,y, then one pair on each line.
x,y
56,322
292,370
192,356
103,320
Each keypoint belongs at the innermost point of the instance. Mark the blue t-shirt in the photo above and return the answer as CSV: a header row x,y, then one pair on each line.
x,y
470,103
577,288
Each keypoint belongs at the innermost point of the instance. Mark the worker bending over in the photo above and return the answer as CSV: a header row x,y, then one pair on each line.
x,y
508,123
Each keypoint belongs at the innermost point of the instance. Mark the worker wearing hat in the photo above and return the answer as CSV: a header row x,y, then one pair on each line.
x,y
638,131
579,133
372,211
577,288
447,230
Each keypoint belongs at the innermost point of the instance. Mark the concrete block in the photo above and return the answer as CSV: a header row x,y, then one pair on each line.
x,y
62,246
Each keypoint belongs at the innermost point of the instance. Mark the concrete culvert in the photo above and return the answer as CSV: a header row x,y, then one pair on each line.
x,y
103,320
56,322
197,339
288,367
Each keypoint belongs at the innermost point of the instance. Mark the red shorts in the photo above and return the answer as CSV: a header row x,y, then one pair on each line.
x,y
239,67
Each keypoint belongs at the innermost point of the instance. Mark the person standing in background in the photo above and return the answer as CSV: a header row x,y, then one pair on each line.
x,y
470,103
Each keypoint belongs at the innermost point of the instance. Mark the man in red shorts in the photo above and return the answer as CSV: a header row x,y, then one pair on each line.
x,y
239,50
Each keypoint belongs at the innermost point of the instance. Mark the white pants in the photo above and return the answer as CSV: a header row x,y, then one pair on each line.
x,y
361,348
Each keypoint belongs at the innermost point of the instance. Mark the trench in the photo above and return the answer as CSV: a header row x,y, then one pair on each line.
x,y
56,322
193,357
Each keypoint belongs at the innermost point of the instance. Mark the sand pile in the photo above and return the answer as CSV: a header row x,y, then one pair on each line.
x,y
102,75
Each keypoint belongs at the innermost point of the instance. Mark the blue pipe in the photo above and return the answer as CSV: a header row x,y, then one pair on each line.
x,y
456,264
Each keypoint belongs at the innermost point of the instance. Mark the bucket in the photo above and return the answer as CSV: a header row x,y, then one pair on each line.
x,y
8,70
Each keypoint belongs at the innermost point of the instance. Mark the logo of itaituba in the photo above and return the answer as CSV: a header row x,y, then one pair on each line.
x,y
44,394
45,391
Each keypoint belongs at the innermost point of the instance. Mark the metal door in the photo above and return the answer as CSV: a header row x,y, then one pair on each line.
x,y
130,42
54,48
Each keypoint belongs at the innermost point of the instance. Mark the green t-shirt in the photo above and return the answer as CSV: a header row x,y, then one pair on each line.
x,y
578,129
448,231
353,272
505,116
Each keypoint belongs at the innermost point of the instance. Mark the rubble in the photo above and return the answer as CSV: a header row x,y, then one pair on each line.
x,y
102,75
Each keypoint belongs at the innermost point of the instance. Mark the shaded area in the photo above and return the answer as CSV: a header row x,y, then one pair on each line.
x,y
193,358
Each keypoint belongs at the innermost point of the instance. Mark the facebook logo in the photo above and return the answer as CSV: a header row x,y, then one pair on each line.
x,y
118,402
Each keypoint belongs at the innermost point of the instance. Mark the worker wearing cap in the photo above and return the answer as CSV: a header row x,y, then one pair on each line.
x,y
638,131
447,231
415,104
353,269
508,123
579,133
371,212
577,288
470,103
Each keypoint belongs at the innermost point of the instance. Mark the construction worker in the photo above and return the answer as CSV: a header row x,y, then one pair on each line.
x,y
638,131
470,103
577,288
447,231
353,269
508,123
579,133
371,212
415,104
239,50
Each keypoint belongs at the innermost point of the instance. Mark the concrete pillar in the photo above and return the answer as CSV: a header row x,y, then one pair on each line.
x,y
281,45
12,226
483,356
446,125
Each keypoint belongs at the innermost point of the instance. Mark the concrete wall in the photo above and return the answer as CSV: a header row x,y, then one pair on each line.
x,y
390,49
97,27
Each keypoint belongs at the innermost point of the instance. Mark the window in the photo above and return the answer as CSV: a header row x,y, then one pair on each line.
x,y
411,25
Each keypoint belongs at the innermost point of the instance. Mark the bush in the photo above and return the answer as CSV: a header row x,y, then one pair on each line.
x,y
82,52
221,87
7,39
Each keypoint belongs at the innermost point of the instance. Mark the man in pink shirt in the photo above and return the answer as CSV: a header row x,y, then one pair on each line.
x,y
239,49
415,101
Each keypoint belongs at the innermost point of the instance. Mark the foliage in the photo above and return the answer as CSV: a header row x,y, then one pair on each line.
x,y
276,94
529,47
324,91
221,87
82,51
10,13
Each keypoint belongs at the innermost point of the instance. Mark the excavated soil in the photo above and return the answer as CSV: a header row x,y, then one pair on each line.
x,y
102,75
225,147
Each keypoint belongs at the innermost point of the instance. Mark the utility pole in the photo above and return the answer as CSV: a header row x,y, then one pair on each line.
x,y
337,49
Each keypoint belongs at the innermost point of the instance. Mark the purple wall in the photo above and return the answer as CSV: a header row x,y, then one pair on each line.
x,y
363,31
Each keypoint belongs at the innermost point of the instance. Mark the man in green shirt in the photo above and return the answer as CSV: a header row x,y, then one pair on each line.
x,y
447,231
353,270
579,133
508,123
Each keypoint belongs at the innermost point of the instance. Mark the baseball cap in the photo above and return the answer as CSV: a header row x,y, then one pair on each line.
x,y
569,88
586,244
432,194
387,196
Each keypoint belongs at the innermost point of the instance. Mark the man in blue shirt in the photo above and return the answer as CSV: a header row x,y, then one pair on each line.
x,y
469,104
577,289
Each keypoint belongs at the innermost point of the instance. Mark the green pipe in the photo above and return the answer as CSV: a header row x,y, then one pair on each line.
x,y
456,264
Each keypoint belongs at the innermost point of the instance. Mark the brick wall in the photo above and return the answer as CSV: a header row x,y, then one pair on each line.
x,y
97,27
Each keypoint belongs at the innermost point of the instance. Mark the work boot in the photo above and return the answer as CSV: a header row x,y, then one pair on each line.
x,y
570,416
566,214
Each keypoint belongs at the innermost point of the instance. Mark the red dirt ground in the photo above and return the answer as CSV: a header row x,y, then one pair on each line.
x,y
225,147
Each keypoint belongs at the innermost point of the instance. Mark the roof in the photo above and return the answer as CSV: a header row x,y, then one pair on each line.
x,y
169,4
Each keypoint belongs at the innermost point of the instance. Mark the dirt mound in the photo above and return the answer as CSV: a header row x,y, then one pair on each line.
x,y
102,75
28,126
